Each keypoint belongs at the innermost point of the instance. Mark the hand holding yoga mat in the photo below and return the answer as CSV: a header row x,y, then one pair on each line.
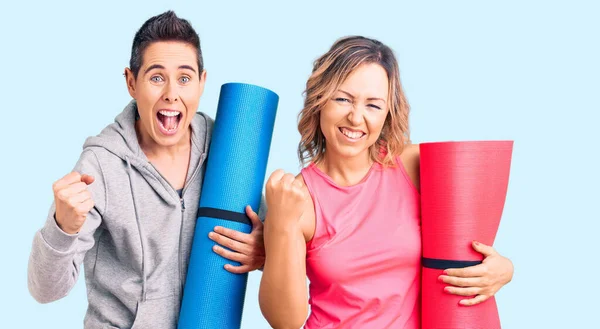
x,y
235,173
463,190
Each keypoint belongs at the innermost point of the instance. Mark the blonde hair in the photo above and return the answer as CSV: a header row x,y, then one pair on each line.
x,y
329,72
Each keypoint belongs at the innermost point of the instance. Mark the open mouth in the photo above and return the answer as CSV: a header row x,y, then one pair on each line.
x,y
352,134
168,121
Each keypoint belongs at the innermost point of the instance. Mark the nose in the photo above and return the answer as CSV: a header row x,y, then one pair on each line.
x,y
170,94
356,116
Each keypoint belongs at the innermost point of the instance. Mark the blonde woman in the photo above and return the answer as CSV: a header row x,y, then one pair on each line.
x,y
350,220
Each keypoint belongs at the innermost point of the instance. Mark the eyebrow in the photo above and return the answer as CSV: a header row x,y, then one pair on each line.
x,y
369,99
187,67
158,66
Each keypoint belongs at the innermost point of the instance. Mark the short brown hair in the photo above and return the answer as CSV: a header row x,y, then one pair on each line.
x,y
164,27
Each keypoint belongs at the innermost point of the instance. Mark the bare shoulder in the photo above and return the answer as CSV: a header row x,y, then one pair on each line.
x,y
308,218
410,158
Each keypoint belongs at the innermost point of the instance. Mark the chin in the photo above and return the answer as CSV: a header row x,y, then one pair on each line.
x,y
349,153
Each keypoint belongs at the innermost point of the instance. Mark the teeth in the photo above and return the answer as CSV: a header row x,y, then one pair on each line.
x,y
168,113
352,134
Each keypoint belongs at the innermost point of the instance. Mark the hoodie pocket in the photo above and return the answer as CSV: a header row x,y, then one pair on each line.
x,y
157,313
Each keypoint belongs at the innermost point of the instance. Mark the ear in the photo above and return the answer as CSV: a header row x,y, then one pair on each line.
x,y
202,81
130,81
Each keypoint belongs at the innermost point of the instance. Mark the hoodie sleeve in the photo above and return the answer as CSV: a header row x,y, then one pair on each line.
x,y
56,257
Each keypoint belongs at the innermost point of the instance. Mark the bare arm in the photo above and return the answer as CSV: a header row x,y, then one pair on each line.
x,y
410,158
283,295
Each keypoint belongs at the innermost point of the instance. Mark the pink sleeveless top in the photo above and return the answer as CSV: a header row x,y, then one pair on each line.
x,y
364,261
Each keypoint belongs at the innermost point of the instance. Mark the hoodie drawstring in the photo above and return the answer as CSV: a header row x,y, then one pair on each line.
x,y
137,219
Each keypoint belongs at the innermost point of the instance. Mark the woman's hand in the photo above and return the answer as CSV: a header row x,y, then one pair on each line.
x,y
246,249
481,281
286,200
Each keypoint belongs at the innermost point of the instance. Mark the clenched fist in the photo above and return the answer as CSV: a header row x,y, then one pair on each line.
x,y
73,201
286,198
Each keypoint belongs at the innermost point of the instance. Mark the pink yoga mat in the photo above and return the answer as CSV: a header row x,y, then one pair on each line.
x,y
463,190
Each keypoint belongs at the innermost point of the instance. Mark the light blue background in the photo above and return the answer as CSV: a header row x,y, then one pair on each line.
x,y
522,70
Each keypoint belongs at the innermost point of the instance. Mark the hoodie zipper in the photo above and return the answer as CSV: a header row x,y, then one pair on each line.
x,y
182,203
179,258
179,261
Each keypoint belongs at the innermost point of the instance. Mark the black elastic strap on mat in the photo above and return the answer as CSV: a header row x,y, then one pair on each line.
x,y
442,264
224,214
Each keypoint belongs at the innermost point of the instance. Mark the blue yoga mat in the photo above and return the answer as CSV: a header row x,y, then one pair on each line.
x,y
235,173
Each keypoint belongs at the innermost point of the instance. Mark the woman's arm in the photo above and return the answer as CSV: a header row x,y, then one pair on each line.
x,y
411,161
283,295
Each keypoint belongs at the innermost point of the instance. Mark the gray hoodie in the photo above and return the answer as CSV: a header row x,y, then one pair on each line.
x,y
136,241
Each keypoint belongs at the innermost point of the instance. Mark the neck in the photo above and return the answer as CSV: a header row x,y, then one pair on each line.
x,y
152,150
346,171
